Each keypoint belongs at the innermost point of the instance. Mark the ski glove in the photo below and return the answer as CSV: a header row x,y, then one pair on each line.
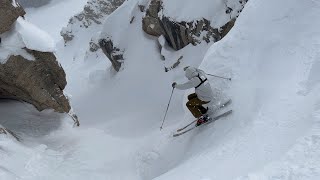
x,y
174,84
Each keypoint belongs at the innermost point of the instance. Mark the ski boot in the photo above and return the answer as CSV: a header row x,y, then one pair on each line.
x,y
202,119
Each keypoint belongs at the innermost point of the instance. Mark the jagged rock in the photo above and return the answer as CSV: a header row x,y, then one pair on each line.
x,y
154,8
93,46
9,14
94,12
141,7
152,26
6,131
180,34
176,64
39,82
226,28
177,35
67,35
114,54
151,22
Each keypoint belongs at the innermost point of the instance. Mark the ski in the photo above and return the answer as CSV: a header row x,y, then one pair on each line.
x,y
212,120
220,107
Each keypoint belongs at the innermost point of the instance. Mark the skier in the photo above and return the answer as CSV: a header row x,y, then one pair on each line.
x,y
203,93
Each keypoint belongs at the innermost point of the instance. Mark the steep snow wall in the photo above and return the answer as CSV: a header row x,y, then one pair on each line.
x,y
47,17
272,59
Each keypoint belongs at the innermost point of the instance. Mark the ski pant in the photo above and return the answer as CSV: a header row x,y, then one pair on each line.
x,y
195,105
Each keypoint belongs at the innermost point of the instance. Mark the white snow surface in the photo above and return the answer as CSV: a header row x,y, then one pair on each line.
x,y
14,3
55,15
273,133
33,37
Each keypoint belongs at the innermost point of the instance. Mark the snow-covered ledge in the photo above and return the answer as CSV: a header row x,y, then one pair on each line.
x,y
29,70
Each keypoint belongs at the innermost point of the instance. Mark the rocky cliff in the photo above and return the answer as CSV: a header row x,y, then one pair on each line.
x,y
180,33
39,82
94,13
26,74
167,26
9,12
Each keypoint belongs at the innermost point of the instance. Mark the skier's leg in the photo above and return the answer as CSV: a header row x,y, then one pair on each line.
x,y
193,106
203,109
192,96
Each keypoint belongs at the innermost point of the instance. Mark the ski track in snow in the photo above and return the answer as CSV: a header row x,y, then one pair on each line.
x,y
273,133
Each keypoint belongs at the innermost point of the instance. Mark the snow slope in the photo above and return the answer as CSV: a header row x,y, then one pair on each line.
x,y
55,15
274,128
273,133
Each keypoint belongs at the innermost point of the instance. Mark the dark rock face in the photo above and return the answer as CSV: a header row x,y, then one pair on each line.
x,y
151,23
227,27
93,46
114,54
39,82
180,34
152,26
9,14
177,35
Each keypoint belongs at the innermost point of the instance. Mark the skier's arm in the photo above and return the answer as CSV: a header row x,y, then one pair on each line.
x,y
194,82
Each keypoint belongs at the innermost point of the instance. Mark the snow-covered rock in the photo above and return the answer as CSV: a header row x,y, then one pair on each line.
x,y
94,13
33,37
114,54
205,20
29,70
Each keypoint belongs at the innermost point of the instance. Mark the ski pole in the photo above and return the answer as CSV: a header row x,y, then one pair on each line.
x,y
167,109
219,77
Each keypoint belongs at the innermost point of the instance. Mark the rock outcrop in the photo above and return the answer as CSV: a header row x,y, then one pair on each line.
x,y
180,34
9,13
39,82
114,54
95,12
151,23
